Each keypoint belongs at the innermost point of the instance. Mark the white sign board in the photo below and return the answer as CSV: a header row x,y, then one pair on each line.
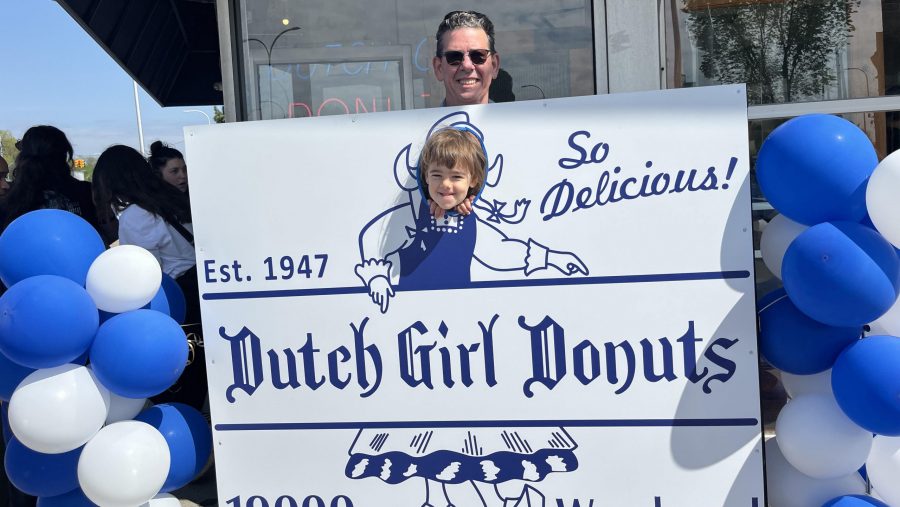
x,y
586,338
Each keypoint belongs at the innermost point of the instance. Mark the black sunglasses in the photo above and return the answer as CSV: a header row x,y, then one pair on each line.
x,y
478,56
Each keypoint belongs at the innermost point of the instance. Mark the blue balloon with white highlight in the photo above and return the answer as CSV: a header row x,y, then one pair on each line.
x,y
48,242
855,501
841,274
46,321
188,436
797,344
866,382
814,169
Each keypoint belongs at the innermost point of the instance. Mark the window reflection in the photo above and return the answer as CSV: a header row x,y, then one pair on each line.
x,y
786,50
380,52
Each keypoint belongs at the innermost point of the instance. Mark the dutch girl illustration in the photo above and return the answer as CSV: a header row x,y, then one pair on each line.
x,y
432,241
434,237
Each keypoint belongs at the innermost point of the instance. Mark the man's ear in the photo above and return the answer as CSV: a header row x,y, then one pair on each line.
x,y
496,58
437,63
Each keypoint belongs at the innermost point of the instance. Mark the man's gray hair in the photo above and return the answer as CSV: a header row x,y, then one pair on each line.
x,y
464,19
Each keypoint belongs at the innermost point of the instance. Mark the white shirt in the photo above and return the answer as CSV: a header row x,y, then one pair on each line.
x,y
138,226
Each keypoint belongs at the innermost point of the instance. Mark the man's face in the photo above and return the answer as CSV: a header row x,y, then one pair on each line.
x,y
466,82
4,173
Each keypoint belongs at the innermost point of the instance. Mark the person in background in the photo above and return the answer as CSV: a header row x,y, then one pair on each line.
x,y
44,178
466,60
4,177
9,495
169,163
156,216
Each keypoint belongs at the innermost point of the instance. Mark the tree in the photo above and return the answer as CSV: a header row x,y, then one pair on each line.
x,y
781,49
8,146
219,114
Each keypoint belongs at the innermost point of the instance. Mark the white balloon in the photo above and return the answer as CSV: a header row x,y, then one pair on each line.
x,y
883,468
798,385
163,500
123,278
124,465
819,440
887,324
881,198
56,410
775,240
788,487
122,408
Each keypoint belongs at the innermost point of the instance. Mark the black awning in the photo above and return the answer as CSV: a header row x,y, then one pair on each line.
x,y
170,47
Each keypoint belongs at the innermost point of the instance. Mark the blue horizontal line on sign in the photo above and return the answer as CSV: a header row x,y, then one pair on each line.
x,y
491,284
576,423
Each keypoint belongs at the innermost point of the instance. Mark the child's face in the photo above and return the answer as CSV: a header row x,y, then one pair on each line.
x,y
448,187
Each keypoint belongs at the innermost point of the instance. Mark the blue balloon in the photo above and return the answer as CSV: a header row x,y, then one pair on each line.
x,y
769,298
11,375
139,354
841,274
189,438
48,242
175,298
46,321
814,169
104,316
169,299
867,221
855,501
797,344
159,302
74,498
39,474
866,379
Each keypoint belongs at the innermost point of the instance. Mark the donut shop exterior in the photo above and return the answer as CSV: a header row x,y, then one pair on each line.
x,y
275,59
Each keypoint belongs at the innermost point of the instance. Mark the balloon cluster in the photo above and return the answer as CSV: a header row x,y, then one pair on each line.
x,y
834,248
82,434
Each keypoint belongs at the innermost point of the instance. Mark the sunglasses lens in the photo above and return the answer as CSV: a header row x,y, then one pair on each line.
x,y
454,57
478,56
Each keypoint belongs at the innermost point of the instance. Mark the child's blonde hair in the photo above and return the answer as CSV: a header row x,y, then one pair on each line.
x,y
451,148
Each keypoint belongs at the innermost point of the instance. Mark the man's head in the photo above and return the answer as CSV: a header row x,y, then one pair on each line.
x,y
4,174
451,167
466,60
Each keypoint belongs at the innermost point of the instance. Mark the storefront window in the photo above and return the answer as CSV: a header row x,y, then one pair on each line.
x,y
357,57
786,50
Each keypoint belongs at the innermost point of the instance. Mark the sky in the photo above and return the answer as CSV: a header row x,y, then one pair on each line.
x,y
52,72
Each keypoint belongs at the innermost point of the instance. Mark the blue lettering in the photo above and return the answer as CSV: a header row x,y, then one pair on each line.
x,y
726,364
416,364
547,339
558,200
688,343
207,270
408,353
574,163
668,366
242,363
362,351
612,374
292,380
562,192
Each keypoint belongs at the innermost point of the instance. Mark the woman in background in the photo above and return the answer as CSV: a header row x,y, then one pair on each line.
x,y
169,163
156,216
43,178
